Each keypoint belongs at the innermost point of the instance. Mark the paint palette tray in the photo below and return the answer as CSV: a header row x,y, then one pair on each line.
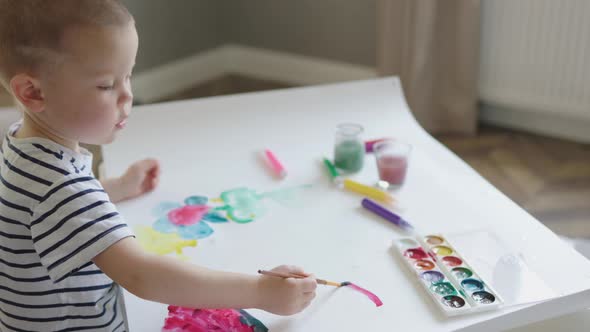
x,y
446,276
432,278
479,294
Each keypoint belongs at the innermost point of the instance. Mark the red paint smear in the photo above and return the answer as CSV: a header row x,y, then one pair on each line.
x,y
415,253
203,320
367,293
188,214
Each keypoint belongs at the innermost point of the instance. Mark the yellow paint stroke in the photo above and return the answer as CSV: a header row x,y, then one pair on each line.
x,y
216,200
162,244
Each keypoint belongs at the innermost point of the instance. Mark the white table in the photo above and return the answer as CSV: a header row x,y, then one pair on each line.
x,y
207,146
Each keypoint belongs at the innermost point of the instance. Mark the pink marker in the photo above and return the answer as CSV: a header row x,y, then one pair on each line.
x,y
275,164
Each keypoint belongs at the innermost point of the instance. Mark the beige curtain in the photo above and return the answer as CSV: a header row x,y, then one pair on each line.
x,y
433,45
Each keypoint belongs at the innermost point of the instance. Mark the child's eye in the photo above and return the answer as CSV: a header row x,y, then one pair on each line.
x,y
106,87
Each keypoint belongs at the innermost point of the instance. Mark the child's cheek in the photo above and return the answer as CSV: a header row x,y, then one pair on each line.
x,y
95,122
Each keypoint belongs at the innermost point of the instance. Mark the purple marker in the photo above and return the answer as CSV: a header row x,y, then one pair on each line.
x,y
386,214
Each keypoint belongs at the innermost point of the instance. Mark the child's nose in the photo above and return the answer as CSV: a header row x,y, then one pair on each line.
x,y
126,97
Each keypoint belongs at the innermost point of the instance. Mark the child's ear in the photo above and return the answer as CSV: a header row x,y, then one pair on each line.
x,y
27,90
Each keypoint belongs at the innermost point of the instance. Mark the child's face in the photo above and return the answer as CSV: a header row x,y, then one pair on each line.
x,y
88,97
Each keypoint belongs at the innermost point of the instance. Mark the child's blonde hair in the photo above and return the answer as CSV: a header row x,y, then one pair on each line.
x,y
31,30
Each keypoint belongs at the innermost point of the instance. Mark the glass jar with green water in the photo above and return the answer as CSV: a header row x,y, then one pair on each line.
x,y
349,150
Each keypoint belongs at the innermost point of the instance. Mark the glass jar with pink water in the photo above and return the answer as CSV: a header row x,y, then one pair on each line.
x,y
392,161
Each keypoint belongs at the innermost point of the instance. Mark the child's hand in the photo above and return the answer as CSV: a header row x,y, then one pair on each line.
x,y
141,177
286,296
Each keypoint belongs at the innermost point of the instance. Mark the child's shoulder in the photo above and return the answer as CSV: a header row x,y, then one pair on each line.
x,y
42,161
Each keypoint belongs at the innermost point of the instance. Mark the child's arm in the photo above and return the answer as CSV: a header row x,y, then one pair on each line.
x,y
179,283
140,178
173,282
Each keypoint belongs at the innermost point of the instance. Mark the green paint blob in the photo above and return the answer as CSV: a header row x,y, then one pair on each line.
x,y
461,273
443,288
242,204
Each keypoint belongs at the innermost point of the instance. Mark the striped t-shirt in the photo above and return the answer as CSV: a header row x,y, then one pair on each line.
x,y
55,218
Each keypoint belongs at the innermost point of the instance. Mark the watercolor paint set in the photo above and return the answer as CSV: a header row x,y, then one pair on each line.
x,y
446,276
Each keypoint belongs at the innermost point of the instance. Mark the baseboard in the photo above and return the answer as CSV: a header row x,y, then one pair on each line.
x,y
166,80
537,122
291,68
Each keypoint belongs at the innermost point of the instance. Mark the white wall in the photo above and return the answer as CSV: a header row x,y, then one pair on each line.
x,y
340,30
171,30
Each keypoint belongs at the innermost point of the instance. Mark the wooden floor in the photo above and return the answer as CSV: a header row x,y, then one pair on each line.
x,y
550,178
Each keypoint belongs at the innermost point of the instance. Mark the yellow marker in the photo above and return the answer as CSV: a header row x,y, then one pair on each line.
x,y
370,192
160,243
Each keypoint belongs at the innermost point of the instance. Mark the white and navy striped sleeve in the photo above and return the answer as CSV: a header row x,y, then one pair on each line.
x,y
73,222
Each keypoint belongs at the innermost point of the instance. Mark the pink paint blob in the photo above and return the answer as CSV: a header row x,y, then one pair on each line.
x,y
202,320
392,169
367,293
188,214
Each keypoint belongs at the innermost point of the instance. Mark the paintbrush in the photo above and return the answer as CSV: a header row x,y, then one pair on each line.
x,y
357,288
295,275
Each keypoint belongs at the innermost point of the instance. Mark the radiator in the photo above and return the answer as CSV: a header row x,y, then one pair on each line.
x,y
535,56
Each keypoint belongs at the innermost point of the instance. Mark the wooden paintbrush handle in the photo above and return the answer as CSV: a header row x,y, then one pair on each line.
x,y
299,276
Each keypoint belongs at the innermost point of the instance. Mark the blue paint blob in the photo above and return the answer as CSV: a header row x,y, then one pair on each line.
x,y
196,200
199,230
215,217
472,285
163,225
